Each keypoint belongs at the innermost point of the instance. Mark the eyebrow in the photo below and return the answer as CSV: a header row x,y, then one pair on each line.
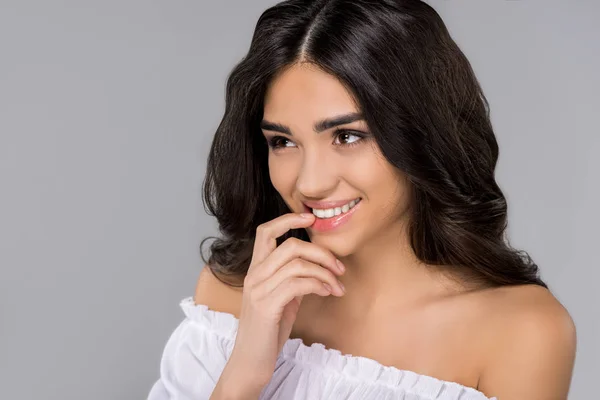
x,y
319,127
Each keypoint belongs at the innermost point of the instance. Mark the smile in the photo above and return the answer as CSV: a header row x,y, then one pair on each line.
x,y
334,212
332,218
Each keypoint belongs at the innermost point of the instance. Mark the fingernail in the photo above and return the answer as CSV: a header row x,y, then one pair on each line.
x,y
306,215
340,265
342,286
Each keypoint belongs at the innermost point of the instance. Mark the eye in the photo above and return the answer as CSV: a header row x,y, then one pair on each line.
x,y
342,138
348,138
278,141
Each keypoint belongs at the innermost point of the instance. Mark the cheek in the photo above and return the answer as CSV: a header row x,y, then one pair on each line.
x,y
396,195
282,175
370,175
385,187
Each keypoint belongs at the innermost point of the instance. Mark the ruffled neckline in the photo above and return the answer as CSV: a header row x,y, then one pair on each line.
x,y
332,360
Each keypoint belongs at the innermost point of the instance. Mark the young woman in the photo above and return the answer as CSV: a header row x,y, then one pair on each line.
x,y
363,253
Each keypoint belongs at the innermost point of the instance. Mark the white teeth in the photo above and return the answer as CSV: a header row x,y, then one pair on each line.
x,y
331,212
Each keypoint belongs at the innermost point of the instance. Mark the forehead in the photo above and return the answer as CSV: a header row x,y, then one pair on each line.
x,y
304,90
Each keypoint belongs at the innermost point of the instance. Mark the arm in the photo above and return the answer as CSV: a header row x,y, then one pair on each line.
x,y
218,296
535,359
193,365
191,370
190,365
232,387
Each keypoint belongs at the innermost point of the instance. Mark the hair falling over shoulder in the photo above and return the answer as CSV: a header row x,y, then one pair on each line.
x,y
423,103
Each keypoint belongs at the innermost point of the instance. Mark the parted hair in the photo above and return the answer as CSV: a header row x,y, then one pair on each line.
x,y
421,101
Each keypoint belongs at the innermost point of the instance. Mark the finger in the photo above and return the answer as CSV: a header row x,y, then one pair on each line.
x,y
294,248
291,288
265,240
306,269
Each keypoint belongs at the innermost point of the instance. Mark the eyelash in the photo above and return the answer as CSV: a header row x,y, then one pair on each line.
x,y
275,139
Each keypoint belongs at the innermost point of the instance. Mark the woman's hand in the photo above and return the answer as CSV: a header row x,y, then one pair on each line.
x,y
277,280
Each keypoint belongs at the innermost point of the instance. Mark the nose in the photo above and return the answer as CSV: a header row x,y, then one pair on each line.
x,y
317,177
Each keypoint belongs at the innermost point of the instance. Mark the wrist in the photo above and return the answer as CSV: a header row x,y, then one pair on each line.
x,y
231,391
239,382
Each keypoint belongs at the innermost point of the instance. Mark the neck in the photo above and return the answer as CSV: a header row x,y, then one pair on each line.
x,y
386,273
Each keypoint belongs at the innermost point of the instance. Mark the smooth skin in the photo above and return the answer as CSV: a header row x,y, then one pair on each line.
x,y
277,280
514,342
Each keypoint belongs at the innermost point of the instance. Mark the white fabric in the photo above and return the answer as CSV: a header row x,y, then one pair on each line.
x,y
198,349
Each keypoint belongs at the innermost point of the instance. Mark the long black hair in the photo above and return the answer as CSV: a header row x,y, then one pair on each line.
x,y
423,104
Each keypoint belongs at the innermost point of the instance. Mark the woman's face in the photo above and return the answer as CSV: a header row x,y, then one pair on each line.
x,y
333,162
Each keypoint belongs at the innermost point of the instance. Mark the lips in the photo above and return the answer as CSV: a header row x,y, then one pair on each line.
x,y
330,225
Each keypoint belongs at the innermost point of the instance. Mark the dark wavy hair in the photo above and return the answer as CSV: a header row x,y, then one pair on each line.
x,y
422,103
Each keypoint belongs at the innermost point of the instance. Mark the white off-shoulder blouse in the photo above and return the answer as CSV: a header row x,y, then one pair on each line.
x,y
197,351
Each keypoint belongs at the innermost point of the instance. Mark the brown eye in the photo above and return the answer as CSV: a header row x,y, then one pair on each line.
x,y
277,142
343,137
348,138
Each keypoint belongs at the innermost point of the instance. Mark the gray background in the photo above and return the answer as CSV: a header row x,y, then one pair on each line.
x,y
107,109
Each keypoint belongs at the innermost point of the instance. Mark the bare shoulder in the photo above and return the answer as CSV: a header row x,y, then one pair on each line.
x,y
217,295
524,307
531,344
